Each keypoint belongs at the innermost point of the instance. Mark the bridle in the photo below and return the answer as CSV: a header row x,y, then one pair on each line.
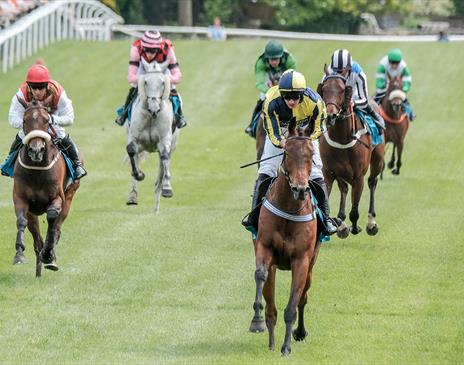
x,y
342,113
284,171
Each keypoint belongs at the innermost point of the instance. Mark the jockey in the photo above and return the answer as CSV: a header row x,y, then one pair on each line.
x,y
341,59
393,65
153,48
268,69
38,86
290,99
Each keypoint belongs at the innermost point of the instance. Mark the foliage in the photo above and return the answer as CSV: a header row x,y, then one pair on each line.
x,y
111,4
220,8
132,11
458,7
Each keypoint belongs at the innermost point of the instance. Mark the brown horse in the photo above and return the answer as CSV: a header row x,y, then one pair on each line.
x,y
40,187
287,239
346,152
396,120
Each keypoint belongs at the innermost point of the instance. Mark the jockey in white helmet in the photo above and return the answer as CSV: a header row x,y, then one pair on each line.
x,y
153,48
356,78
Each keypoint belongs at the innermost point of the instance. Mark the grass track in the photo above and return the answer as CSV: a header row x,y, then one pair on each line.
x,y
178,287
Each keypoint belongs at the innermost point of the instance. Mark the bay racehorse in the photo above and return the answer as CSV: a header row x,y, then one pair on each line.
x,y
287,239
151,129
347,152
396,120
40,186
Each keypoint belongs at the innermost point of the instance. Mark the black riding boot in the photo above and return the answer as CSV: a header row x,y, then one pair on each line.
x,y
73,153
130,97
258,108
376,116
320,190
261,186
16,145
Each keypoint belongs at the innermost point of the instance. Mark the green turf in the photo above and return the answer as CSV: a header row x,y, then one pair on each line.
x,y
178,287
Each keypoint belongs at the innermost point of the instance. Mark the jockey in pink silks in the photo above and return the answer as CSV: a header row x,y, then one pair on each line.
x,y
153,48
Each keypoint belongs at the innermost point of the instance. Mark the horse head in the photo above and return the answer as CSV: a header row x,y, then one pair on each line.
x,y
35,125
154,85
298,159
395,94
336,94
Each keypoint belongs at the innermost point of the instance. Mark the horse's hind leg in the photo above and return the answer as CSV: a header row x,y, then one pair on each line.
x,y
376,167
271,309
132,198
343,230
300,269
158,183
260,138
356,192
33,226
21,223
166,188
47,256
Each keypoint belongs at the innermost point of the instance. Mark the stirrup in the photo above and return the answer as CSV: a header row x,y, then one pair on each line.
x,y
180,122
79,172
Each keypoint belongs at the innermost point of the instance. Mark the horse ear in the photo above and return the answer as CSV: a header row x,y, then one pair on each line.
x,y
47,102
22,102
309,128
346,71
326,69
348,95
292,127
319,89
167,87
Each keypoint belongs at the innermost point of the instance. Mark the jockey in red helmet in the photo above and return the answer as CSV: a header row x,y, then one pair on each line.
x,y
153,48
39,86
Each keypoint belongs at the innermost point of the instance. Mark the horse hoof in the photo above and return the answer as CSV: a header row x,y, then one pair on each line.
x,y
343,230
167,193
286,350
51,266
299,336
356,230
395,172
19,259
139,176
390,165
372,231
257,326
131,201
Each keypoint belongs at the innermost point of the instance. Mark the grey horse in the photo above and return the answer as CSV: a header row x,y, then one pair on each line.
x,y
150,129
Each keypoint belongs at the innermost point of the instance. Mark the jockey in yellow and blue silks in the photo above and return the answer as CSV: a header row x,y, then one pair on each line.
x,y
268,68
290,99
393,65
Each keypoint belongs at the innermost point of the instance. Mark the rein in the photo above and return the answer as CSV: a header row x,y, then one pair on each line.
x,y
391,120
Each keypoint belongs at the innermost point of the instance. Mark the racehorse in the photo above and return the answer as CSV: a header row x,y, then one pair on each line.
x,y
396,120
346,151
150,129
40,186
287,239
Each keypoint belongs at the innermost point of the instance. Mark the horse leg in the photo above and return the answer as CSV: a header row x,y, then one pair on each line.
x,y
132,151
376,167
263,264
271,309
343,230
33,226
356,192
300,333
47,255
158,184
300,269
166,188
391,163
21,223
132,199
399,146
260,138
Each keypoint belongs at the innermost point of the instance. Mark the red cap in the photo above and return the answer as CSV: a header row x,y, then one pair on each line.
x,y
38,74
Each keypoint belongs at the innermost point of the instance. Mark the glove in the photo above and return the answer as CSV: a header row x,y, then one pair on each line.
x,y
51,120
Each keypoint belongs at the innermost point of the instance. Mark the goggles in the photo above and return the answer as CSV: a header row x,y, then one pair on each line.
x,y
150,50
38,86
295,95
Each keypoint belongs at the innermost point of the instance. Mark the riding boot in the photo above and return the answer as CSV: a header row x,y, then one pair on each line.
x,y
177,108
258,108
378,97
320,191
261,187
73,153
16,145
125,113
376,116
409,111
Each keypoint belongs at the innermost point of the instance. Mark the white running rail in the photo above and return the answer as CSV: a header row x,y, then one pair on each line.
x,y
56,20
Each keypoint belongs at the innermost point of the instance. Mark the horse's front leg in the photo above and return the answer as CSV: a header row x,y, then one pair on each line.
x,y
132,198
33,226
356,192
164,154
391,163
300,269
376,168
343,229
21,209
132,151
263,264
399,147
271,309
47,256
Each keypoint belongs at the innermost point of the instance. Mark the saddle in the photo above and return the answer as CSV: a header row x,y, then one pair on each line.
x,y
373,127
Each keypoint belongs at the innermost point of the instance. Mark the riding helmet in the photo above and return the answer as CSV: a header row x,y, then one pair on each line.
x,y
274,49
395,55
292,83
38,74
151,39
341,59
